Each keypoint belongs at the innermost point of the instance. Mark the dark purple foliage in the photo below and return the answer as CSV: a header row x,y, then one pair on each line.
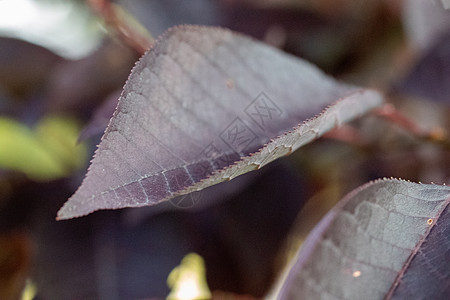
x,y
376,241
203,106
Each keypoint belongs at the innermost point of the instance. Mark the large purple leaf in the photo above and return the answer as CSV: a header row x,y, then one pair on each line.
x,y
388,239
203,106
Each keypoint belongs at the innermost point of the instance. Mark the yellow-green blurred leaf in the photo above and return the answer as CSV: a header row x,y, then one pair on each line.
x,y
30,291
59,136
188,280
45,153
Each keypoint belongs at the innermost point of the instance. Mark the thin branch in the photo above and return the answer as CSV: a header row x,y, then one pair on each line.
x,y
436,135
128,29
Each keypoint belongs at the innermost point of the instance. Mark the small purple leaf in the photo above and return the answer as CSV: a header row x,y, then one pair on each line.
x,y
203,106
430,77
385,240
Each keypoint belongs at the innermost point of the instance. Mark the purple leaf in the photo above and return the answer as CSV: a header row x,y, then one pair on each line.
x,y
427,274
203,106
384,240
424,22
430,77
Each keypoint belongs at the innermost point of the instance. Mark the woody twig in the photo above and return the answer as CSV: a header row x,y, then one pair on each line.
x,y
436,135
129,31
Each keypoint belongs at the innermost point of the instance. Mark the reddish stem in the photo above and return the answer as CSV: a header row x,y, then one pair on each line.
x,y
390,113
126,32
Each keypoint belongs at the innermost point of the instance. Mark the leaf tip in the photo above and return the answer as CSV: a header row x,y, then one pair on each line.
x,y
66,212
71,210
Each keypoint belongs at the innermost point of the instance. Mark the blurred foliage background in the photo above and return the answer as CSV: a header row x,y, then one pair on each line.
x,y
62,66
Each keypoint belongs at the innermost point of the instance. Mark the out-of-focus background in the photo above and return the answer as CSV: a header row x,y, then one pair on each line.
x,y
63,64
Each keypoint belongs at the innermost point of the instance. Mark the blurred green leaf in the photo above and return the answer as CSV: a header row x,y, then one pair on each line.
x,y
46,152
188,280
